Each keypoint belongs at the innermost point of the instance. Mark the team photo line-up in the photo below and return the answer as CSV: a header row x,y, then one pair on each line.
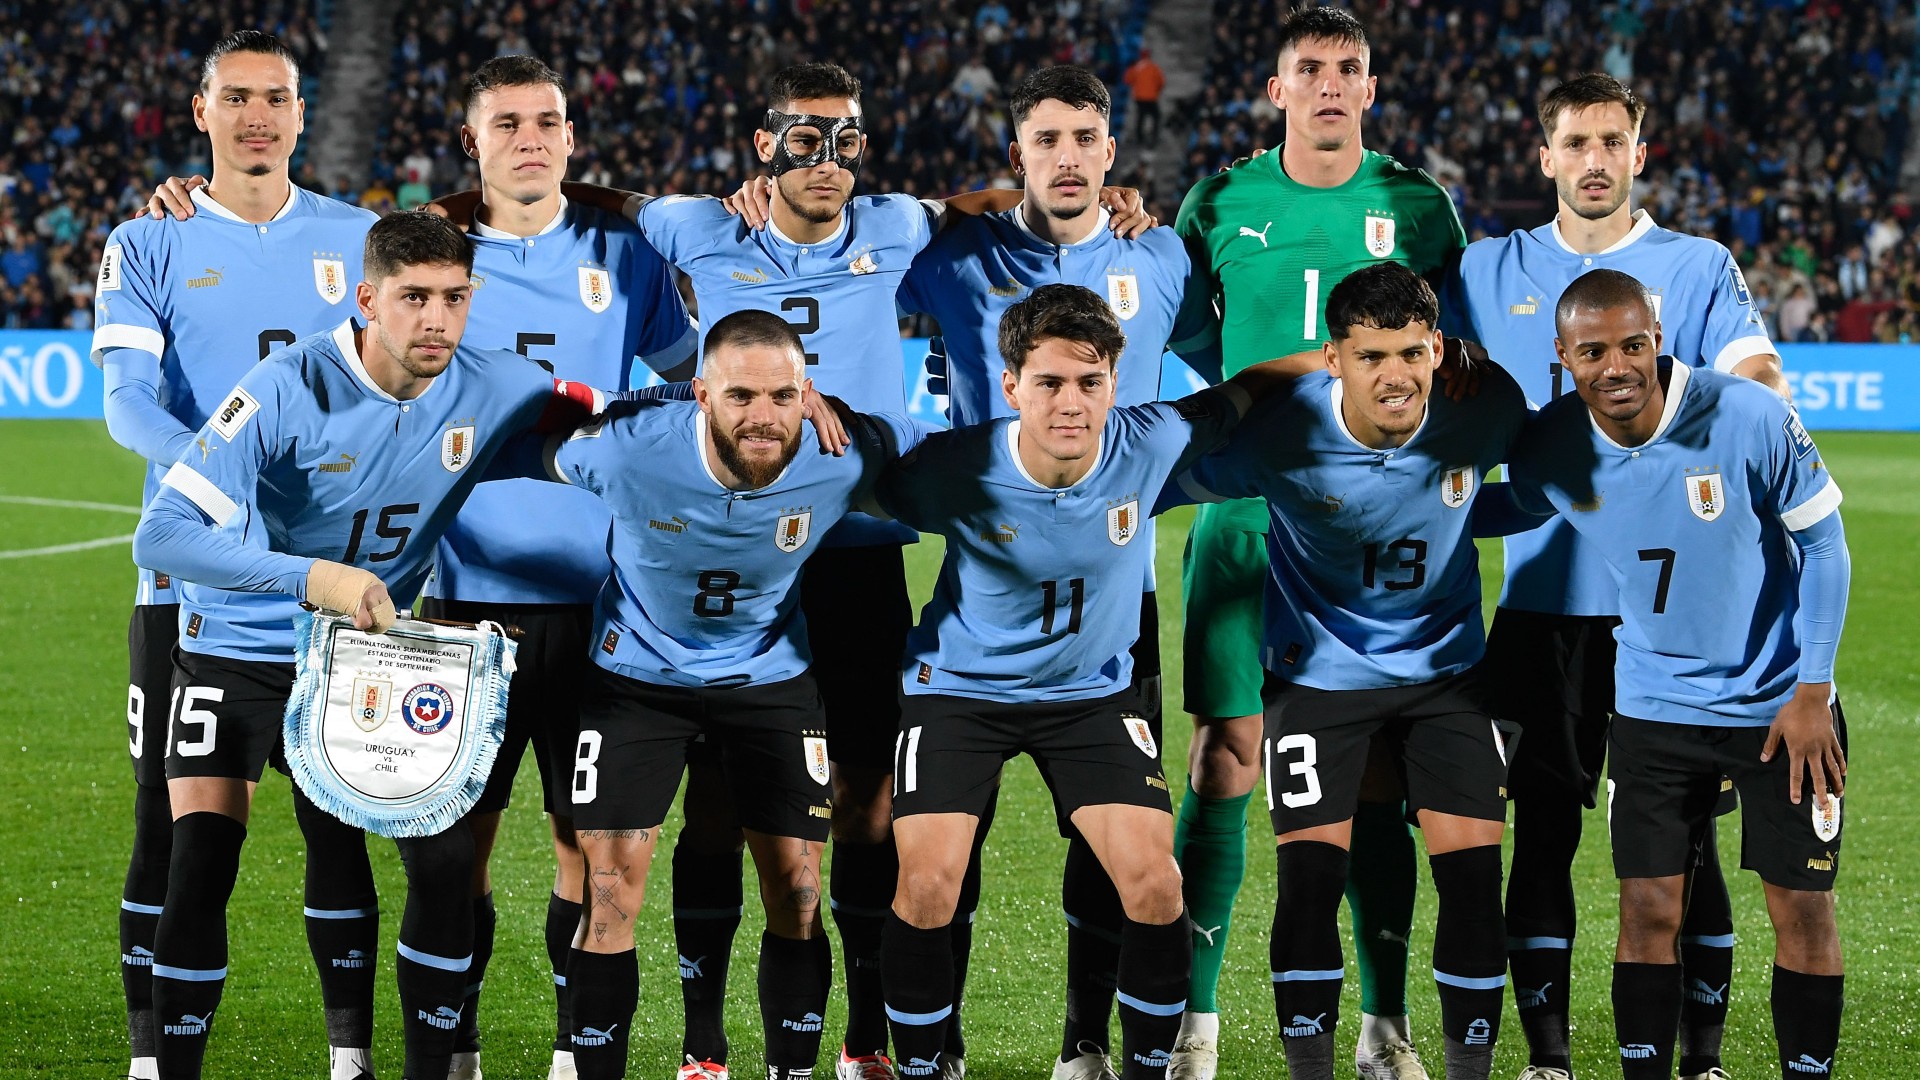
x,y
432,411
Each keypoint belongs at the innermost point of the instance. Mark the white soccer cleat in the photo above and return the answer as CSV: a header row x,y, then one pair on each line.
x,y
349,1063
1715,1073
464,1066
1389,1060
702,1070
1545,1072
1196,1052
562,1067
865,1067
1092,1064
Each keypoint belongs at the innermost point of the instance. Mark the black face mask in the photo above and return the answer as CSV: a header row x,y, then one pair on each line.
x,y
830,127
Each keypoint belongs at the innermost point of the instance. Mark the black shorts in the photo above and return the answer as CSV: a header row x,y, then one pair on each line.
x,y
1663,786
1452,752
1091,753
858,614
1146,661
152,632
634,737
226,716
543,704
1552,675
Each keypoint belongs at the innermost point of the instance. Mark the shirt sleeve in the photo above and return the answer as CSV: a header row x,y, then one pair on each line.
x,y
135,417
1232,471
1734,329
1196,327
669,336
1826,570
920,219
127,302
675,224
1799,488
575,457
1210,418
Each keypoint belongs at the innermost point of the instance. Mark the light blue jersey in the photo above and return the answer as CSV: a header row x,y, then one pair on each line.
x,y
1694,528
1038,597
188,307
308,458
584,296
1504,298
1373,580
703,591
838,294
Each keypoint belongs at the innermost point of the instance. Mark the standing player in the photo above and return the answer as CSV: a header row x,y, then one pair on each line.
x,y
1720,528
1552,643
333,448
1373,634
1269,240
185,309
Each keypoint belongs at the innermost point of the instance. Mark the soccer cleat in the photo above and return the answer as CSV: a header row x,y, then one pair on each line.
x,y
1092,1064
702,1070
144,1068
1393,1060
1196,1053
464,1066
350,1063
1715,1073
1545,1072
866,1067
562,1067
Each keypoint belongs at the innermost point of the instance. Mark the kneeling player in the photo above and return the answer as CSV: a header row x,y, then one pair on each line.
x,y
1722,530
1373,631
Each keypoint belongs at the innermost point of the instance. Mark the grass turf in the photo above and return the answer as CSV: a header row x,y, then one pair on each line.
x,y
66,795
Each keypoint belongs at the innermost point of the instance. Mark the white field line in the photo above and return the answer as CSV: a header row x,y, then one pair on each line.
x,y
67,504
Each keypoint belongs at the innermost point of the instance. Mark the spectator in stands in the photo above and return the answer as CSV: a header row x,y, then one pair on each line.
x,y
1146,81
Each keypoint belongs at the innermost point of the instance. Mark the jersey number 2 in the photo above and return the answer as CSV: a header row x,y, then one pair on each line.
x,y
807,323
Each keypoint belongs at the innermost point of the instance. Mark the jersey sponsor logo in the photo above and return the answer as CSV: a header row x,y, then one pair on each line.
x,y
1123,295
791,532
608,643
1706,495
1011,288
815,748
1379,236
427,708
1531,307
456,448
207,280
234,415
193,625
345,464
675,524
1826,817
206,448
1590,504
1123,522
756,277
863,265
1141,733
1000,534
371,700
110,260
1740,290
330,279
1456,486
1797,435
596,289
1260,235
1824,864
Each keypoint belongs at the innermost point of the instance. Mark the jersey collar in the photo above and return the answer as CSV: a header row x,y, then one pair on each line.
x,y
700,437
1013,451
1339,394
350,355
481,228
1642,225
206,202
1676,389
846,215
1100,225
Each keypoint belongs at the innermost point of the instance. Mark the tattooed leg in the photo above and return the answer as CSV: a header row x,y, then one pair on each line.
x,y
617,861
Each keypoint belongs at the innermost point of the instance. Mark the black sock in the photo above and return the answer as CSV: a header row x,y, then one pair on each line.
x,y
563,920
1706,962
707,902
605,988
1304,950
918,967
1469,957
1540,924
343,921
795,978
435,947
1806,1021
190,942
141,900
467,1039
861,885
1094,921
1646,1010
961,930
1156,963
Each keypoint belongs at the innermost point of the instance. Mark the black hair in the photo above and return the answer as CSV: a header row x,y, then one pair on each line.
x,y
1384,296
1586,91
1602,290
247,41
414,238
1073,86
806,82
1321,24
514,70
751,328
1067,312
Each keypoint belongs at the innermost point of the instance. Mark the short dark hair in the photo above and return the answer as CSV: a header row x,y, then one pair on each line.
x,y
1594,88
1384,296
805,82
751,328
1069,84
247,41
414,238
1067,312
1602,290
514,70
1320,24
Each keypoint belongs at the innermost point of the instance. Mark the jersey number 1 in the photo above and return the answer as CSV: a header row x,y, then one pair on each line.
x,y
1311,327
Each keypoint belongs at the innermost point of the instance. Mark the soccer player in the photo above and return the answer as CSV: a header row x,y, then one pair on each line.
x,y
967,279
1552,642
1026,647
701,633
1269,240
1373,635
1720,528
185,308
325,475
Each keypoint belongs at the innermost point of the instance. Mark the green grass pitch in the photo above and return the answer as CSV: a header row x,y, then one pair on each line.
x,y
65,810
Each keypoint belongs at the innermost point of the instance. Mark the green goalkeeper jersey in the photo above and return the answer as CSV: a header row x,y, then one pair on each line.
x,y
1266,251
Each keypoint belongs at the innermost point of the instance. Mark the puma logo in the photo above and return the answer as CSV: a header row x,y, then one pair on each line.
x,y
1208,932
1260,236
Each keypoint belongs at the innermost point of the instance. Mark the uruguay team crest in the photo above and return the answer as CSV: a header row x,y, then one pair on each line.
x,y
456,448
1826,817
1706,497
371,701
1141,733
1123,295
791,532
1456,486
816,751
330,279
1123,521
1379,236
596,289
